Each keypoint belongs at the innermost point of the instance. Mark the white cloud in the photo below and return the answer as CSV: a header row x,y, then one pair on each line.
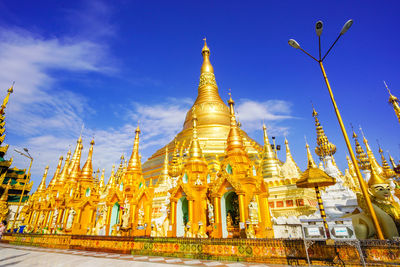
x,y
253,113
45,117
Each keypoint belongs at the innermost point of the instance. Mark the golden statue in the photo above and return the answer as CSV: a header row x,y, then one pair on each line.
x,y
140,217
387,210
253,211
188,230
229,222
100,224
125,218
201,233
71,216
250,233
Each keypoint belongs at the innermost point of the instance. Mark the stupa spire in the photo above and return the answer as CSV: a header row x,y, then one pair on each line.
x,y
134,164
310,160
385,166
42,185
75,155
324,147
57,172
269,164
76,167
234,138
2,118
290,168
87,170
195,149
213,110
394,101
64,173
206,67
370,154
5,100
362,158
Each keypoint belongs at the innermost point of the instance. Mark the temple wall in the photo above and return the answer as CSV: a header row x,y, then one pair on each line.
x,y
273,251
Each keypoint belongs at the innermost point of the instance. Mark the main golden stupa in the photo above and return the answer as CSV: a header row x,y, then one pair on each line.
x,y
213,125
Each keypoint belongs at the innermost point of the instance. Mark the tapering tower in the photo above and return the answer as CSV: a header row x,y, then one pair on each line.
x,y
395,102
213,124
18,177
269,164
338,198
371,155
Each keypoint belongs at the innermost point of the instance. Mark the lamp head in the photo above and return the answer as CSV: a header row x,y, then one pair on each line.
x,y
25,149
318,27
294,44
346,26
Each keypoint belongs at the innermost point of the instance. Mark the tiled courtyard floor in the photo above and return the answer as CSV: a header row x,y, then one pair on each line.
x,y
33,256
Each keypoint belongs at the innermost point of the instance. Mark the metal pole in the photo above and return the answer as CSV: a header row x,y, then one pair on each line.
x,y
353,158
22,194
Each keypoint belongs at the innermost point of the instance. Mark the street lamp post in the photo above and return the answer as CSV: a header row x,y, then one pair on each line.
x,y
23,189
294,44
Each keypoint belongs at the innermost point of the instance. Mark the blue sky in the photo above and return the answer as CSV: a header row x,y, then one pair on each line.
x,y
109,64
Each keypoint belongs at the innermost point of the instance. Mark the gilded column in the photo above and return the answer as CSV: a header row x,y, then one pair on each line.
x,y
217,211
66,212
191,211
108,220
267,213
260,219
173,211
242,208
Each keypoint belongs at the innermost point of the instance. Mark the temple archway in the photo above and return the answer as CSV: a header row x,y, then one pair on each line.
x,y
182,216
114,216
229,207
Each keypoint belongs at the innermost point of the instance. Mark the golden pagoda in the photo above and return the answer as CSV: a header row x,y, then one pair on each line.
x,y
213,125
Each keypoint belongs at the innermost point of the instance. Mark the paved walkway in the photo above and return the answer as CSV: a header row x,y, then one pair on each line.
x,y
11,255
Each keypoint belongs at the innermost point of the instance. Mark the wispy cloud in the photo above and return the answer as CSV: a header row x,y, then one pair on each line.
x,y
253,113
44,115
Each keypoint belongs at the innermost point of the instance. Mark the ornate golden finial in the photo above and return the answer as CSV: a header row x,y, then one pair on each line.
x,y
207,70
5,101
134,164
324,147
394,101
387,171
362,159
87,170
57,172
42,185
269,164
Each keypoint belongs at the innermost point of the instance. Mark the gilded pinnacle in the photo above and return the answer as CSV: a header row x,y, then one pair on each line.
x,y
324,147
395,102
